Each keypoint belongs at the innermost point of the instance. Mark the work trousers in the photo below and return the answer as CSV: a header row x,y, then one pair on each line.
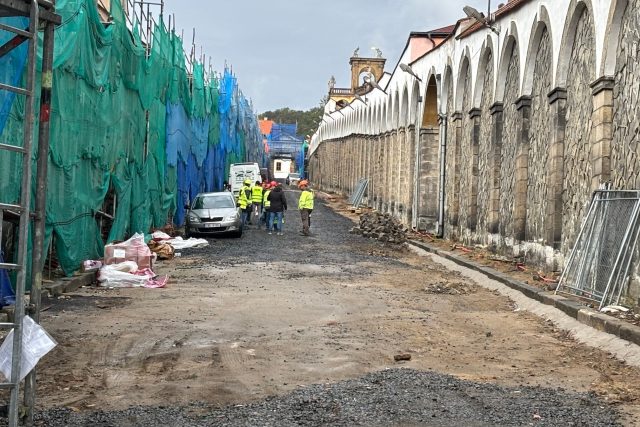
x,y
273,216
305,215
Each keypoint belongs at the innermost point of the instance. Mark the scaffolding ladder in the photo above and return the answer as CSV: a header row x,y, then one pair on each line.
x,y
41,13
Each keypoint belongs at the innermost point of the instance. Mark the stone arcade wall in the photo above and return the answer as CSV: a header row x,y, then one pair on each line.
x,y
509,144
577,160
625,150
529,133
538,193
485,150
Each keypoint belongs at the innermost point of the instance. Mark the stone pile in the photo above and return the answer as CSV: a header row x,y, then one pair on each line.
x,y
382,227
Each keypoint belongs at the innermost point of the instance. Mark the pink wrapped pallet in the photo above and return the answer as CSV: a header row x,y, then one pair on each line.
x,y
134,249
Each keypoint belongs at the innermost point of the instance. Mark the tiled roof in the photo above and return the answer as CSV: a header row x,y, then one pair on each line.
x,y
265,126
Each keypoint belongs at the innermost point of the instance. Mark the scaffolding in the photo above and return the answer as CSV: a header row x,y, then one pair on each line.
x,y
41,14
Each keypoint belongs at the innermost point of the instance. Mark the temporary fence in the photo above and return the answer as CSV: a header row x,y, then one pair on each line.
x,y
598,267
358,194
129,121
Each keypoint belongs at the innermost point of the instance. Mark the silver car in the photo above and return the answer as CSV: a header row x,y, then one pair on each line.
x,y
213,213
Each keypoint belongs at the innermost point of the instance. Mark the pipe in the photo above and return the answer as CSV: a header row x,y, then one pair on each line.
x,y
443,165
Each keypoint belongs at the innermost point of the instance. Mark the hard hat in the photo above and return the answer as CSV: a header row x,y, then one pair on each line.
x,y
247,181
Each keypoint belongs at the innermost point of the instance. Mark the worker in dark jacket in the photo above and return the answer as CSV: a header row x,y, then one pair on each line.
x,y
278,204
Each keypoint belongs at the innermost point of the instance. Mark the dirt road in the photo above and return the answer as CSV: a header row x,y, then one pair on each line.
x,y
246,320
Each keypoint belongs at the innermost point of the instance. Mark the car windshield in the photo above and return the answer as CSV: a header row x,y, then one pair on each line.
x,y
294,175
220,201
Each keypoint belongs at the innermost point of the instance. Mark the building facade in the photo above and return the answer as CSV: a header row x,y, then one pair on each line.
x,y
505,132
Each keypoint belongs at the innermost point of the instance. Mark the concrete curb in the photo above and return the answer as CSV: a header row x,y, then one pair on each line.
x,y
583,314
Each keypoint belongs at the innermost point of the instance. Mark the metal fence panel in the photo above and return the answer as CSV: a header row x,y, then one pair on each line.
x,y
598,266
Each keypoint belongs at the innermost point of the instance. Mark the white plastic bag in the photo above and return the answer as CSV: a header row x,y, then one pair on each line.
x,y
36,342
179,243
121,275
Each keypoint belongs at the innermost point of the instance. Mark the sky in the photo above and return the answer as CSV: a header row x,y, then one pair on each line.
x,y
284,51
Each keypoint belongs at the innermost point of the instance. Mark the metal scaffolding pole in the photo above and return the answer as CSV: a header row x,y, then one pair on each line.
x,y
38,11
38,257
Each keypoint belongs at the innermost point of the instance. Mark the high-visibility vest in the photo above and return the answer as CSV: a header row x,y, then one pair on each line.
x,y
243,200
265,199
306,200
256,194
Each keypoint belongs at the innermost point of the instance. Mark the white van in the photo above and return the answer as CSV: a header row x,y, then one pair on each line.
x,y
238,172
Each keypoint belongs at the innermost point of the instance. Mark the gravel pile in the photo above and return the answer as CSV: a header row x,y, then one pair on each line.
x,y
395,397
382,227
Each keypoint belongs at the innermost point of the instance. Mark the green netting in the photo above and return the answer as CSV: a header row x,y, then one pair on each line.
x,y
104,88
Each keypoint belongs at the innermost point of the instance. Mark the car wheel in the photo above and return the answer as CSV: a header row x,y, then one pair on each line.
x,y
238,233
187,233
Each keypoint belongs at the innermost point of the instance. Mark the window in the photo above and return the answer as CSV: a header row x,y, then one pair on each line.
x,y
214,202
278,167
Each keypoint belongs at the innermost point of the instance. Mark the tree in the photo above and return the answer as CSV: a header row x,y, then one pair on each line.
x,y
307,120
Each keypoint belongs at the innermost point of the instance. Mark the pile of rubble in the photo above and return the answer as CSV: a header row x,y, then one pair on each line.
x,y
383,227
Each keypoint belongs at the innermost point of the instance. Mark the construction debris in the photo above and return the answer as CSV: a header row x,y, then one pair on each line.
x,y
382,227
450,288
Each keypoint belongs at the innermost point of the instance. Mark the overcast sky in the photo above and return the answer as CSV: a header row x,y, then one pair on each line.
x,y
285,51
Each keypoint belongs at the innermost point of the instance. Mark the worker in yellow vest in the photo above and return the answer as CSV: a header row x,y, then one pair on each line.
x,y
305,205
256,199
244,201
265,205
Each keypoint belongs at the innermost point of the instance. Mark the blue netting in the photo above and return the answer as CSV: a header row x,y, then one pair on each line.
x,y
11,66
201,149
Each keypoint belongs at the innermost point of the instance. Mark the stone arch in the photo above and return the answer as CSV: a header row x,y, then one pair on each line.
x,y
541,25
466,149
576,11
625,146
395,111
544,153
403,119
463,70
510,44
413,103
486,54
428,161
612,40
430,110
447,90
483,184
389,113
508,144
578,169
477,149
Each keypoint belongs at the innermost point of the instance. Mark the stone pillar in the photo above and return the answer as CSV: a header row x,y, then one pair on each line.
x,y
472,215
386,169
412,180
602,118
401,187
553,228
428,176
456,128
495,162
377,172
393,176
523,105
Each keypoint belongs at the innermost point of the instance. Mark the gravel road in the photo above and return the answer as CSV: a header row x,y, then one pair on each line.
x,y
395,397
272,330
